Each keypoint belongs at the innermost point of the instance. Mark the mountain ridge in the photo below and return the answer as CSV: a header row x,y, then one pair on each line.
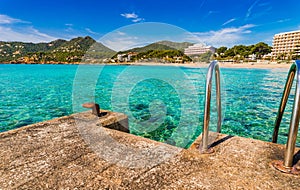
x,y
57,51
76,50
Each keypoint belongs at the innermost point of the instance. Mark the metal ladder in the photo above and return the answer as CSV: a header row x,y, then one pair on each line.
x,y
287,165
284,166
214,66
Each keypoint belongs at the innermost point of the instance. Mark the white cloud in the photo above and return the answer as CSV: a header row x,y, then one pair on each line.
x,y
228,21
203,2
120,41
13,29
27,34
130,15
134,17
224,37
249,11
121,33
72,32
4,19
210,13
258,9
69,25
90,31
283,20
137,20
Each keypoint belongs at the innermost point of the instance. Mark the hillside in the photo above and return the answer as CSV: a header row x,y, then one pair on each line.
x,y
176,45
58,51
98,53
87,50
161,45
155,52
153,46
12,50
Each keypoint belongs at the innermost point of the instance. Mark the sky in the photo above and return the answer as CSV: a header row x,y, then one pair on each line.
x,y
213,22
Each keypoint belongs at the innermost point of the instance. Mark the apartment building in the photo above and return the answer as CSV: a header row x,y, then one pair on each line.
x,y
286,45
198,49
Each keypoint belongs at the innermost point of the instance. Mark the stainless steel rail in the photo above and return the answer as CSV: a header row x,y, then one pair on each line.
x,y
287,165
214,66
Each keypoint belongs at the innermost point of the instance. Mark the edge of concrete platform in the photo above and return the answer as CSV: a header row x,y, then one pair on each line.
x,y
54,154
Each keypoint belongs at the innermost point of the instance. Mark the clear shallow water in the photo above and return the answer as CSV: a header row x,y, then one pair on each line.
x,y
163,103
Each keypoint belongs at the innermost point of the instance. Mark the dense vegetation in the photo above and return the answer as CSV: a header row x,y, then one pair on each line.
x,y
164,56
58,51
175,45
86,49
242,52
163,51
153,46
12,50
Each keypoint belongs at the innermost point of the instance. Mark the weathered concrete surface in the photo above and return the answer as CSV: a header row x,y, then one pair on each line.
x,y
74,152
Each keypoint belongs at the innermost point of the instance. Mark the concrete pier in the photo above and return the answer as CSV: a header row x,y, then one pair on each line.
x,y
78,152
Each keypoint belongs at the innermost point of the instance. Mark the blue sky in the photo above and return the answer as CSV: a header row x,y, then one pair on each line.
x,y
217,23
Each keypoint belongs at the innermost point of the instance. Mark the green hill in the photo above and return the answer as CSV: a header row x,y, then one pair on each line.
x,y
77,44
161,45
153,46
97,53
85,50
163,56
13,50
58,51
158,52
176,45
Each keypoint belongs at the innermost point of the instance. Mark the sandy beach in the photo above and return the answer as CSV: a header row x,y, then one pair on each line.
x,y
251,65
256,65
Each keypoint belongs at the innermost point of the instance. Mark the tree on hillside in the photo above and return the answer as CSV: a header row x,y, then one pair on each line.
x,y
221,50
229,53
241,50
261,49
237,51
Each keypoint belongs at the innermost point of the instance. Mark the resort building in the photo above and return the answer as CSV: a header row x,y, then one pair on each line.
x,y
286,45
198,49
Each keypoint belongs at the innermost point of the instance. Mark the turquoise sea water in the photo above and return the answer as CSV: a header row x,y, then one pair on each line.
x,y
163,103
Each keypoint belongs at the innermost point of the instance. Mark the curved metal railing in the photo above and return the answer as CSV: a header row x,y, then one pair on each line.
x,y
214,66
294,123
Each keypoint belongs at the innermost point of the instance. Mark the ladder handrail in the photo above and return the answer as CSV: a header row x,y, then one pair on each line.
x,y
294,123
214,66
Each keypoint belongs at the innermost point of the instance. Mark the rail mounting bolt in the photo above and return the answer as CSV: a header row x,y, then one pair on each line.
x,y
279,165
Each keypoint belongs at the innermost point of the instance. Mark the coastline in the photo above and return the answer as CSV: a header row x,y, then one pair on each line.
x,y
256,65
251,65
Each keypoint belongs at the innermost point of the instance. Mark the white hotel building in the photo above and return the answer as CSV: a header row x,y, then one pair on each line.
x,y
198,49
286,44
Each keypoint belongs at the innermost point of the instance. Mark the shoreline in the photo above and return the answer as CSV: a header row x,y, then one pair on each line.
x,y
253,65
222,65
256,65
